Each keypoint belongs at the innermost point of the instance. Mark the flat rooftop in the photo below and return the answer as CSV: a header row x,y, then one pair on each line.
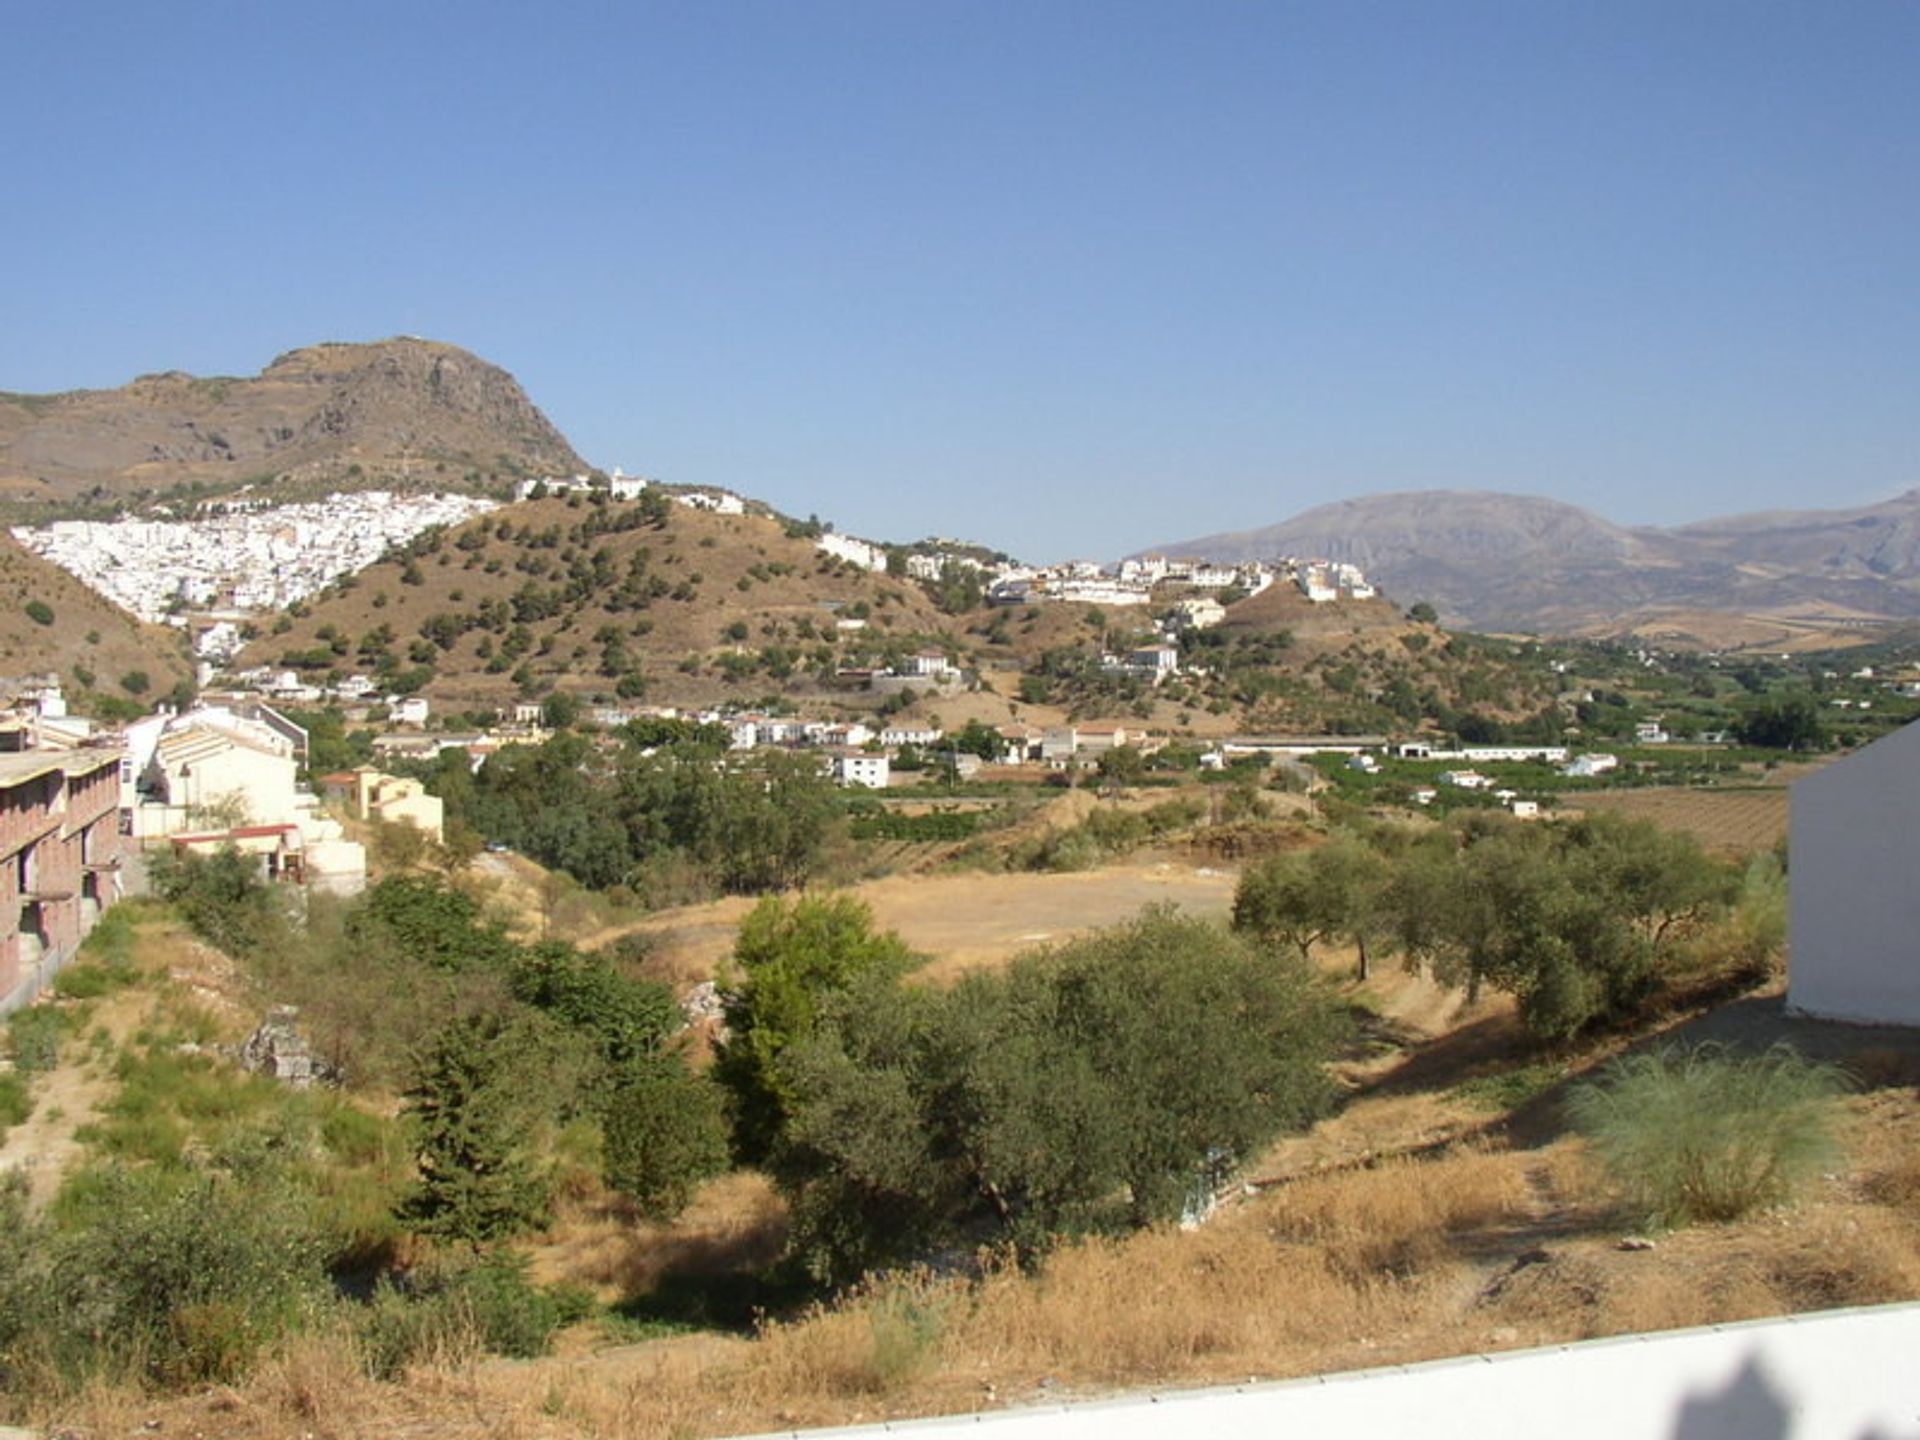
x,y
24,765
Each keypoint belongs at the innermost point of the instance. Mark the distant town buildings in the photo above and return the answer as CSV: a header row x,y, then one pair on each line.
x,y
1191,585
246,559
864,553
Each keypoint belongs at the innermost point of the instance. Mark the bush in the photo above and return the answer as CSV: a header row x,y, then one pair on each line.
x,y
1699,1134
89,980
39,612
34,1035
15,1103
182,1279
487,1304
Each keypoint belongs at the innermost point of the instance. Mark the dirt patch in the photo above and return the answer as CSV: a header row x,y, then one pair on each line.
x,y
963,921
66,1097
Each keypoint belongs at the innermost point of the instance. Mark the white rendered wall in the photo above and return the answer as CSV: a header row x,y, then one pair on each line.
x,y
1854,886
1842,1375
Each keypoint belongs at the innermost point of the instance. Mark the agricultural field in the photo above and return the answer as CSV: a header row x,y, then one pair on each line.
x,y
1727,822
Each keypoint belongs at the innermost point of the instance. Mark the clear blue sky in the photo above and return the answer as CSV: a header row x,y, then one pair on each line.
x,y
1071,278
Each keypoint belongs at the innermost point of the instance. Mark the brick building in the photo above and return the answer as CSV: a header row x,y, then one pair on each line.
x,y
59,860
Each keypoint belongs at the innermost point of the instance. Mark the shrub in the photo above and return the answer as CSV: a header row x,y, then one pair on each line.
x,y
39,612
181,1278
15,1103
33,1037
1700,1134
89,980
448,1306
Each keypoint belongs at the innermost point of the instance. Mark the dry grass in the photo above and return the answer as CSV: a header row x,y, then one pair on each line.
x,y
736,1225
1475,1248
1383,1237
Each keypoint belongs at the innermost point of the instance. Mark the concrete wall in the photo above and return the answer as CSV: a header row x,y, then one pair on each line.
x,y
1854,889
264,783
1842,1375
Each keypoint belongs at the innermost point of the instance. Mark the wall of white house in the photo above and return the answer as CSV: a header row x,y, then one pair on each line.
x,y
1853,892
1845,1374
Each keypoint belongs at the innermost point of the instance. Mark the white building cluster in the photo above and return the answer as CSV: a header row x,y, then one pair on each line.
x,y
1145,579
864,553
618,485
1324,580
248,559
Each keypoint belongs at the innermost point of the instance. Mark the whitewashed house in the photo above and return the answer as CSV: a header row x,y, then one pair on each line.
x,y
855,767
1855,939
1587,766
911,733
1156,661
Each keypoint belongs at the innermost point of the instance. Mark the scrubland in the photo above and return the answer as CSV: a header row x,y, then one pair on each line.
x,y
1445,1206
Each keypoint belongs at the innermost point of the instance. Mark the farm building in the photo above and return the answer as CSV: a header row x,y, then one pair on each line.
x,y
1856,909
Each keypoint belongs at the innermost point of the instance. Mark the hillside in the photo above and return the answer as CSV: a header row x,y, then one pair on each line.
x,y
1511,562
628,599
86,636
398,412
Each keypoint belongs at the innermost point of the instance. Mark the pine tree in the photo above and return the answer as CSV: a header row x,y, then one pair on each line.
x,y
476,1183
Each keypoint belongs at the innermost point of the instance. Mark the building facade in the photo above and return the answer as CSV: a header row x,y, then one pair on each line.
x,y
59,860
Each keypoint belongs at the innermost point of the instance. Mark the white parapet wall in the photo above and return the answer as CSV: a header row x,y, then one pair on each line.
x,y
1837,1375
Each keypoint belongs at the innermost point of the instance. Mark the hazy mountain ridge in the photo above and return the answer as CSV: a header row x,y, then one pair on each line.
x,y
1498,561
407,409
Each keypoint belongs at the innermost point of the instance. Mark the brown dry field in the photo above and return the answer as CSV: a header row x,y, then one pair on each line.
x,y
1728,822
1787,631
963,920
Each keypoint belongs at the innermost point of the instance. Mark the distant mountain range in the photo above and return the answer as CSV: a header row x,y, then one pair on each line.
x,y
1514,562
413,413
404,411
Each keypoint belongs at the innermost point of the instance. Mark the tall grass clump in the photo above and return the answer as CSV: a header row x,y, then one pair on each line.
x,y
1703,1135
106,960
34,1036
16,1104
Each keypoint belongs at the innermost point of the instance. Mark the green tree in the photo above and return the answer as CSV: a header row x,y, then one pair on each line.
x,y
1575,920
663,1131
559,711
222,898
1122,765
1783,722
429,923
1303,897
790,956
39,612
1110,1082
976,738
471,1105
1202,1048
